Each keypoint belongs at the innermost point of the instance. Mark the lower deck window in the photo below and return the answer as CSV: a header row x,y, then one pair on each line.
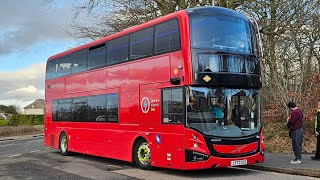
x,y
98,108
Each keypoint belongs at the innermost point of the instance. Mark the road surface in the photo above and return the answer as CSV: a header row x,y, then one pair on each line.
x,y
30,159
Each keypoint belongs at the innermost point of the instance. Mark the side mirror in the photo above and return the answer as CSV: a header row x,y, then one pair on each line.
x,y
175,80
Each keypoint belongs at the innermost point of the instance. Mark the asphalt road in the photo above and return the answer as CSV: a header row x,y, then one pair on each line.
x,y
15,147
30,159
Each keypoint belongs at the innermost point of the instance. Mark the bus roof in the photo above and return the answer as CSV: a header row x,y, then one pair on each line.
x,y
192,11
118,34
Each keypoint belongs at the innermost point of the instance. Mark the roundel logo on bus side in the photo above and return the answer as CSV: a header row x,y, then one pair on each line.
x,y
145,105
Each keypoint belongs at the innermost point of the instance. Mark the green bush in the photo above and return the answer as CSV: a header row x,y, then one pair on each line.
x,y
21,119
3,123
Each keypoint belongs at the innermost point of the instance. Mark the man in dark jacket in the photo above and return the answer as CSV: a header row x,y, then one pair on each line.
x,y
317,132
295,124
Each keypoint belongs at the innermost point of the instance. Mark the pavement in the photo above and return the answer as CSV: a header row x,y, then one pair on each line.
x,y
278,162
275,162
10,138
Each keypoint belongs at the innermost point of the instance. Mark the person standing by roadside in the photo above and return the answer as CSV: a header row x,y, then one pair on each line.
x,y
295,124
317,132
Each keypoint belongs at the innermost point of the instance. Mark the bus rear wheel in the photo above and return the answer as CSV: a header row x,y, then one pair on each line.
x,y
63,144
142,154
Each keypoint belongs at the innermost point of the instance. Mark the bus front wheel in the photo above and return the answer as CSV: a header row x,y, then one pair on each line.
x,y
63,144
142,154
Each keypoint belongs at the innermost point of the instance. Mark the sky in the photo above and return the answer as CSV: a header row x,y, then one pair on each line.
x,y
29,34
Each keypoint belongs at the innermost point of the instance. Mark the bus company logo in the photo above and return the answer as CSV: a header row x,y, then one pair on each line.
x,y
238,149
216,140
145,105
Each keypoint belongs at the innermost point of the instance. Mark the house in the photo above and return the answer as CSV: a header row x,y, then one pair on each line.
x,y
37,107
4,116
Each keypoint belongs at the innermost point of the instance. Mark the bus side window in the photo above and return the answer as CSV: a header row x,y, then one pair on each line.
x,y
172,105
65,65
52,69
97,58
97,108
141,43
80,109
167,37
79,61
118,50
55,110
64,110
112,108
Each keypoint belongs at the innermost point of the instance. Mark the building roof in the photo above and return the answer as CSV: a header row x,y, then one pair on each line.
x,y
38,104
4,116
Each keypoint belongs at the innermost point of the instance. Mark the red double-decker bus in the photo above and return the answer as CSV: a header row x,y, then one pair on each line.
x,y
180,91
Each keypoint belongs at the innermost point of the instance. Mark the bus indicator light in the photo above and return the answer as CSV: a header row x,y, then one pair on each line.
x,y
175,71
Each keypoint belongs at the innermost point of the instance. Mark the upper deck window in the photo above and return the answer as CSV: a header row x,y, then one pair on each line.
x,y
167,37
118,50
228,63
141,43
97,58
221,33
65,64
157,39
80,62
52,69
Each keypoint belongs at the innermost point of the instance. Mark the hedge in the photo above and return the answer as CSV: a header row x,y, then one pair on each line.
x,y
21,119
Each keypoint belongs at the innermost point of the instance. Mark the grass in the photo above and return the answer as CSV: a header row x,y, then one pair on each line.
x,y
277,138
7,131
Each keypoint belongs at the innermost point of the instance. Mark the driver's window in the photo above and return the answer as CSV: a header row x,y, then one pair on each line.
x,y
172,105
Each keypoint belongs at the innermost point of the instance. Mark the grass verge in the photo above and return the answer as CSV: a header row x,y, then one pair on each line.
x,y
277,138
7,131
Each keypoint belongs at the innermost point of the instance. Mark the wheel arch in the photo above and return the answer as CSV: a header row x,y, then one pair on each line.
x,y
61,132
134,144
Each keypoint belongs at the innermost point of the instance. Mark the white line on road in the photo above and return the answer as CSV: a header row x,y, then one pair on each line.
x,y
7,144
15,155
114,166
34,151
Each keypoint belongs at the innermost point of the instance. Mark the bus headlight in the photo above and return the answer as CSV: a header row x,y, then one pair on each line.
x,y
195,145
195,137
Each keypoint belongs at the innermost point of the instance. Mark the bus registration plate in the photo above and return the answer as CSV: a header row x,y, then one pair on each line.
x,y
239,162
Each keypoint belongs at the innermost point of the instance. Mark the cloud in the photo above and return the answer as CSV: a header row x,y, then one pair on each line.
x,y
24,23
22,86
29,89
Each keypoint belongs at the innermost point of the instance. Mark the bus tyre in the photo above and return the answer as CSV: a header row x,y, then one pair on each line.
x,y
63,144
142,154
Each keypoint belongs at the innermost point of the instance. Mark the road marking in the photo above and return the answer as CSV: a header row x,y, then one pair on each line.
x,y
7,144
34,151
15,155
114,166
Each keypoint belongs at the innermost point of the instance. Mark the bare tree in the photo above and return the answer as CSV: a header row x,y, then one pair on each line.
x,y
105,17
290,34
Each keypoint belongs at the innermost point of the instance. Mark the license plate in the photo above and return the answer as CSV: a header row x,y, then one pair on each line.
x,y
239,162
